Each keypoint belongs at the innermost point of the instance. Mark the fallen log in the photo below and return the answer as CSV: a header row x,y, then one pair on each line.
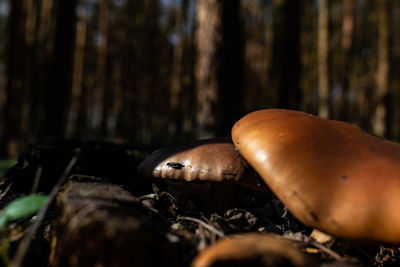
x,y
104,225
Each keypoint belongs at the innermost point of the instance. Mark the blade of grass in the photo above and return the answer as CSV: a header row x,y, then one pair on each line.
x,y
21,208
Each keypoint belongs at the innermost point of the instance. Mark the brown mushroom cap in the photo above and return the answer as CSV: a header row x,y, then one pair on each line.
x,y
249,246
331,175
203,160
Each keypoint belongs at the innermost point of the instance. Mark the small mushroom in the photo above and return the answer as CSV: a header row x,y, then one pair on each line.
x,y
331,175
203,160
271,248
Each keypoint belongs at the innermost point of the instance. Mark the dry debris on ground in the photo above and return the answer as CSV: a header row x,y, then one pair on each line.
x,y
106,213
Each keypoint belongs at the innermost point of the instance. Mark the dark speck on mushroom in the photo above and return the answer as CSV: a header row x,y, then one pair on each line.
x,y
175,165
314,216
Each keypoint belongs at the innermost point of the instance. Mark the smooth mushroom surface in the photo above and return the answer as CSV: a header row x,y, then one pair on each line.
x,y
274,250
331,175
214,159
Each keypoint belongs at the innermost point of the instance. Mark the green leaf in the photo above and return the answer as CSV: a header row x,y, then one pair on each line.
x,y
21,208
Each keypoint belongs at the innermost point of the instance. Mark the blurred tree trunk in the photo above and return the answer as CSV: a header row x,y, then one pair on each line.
x,y
111,92
310,56
230,54
175,126
323,80
188,77
219,67
32,12
58,91
286,57
79,55
102,97
116,104
207,38
16,86
382,71
42,58
82,129
342,109
368,84
258,43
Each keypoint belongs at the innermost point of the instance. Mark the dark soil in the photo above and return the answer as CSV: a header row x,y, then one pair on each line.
x,y
134,220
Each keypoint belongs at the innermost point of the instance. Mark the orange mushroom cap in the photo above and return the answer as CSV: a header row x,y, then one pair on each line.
x,y
214,159
249,246
331,175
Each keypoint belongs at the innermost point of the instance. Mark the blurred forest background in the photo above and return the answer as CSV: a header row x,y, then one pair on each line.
x,y
156,72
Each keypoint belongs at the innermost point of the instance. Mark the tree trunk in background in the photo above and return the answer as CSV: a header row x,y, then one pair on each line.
x,y
79,55
342,107
188,77
82,129
286,57
102,94
382,72
16,48
58,91
42,58
175,126
207,36
323,80
44,32
230,54
32,11
116,104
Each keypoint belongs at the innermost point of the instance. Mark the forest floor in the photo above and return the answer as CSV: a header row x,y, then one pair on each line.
x,y
103,212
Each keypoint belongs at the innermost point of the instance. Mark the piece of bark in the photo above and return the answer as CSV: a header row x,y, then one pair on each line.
x,y
104,225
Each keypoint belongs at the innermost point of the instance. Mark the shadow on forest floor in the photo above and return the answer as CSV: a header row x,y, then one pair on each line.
x,y
106,213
